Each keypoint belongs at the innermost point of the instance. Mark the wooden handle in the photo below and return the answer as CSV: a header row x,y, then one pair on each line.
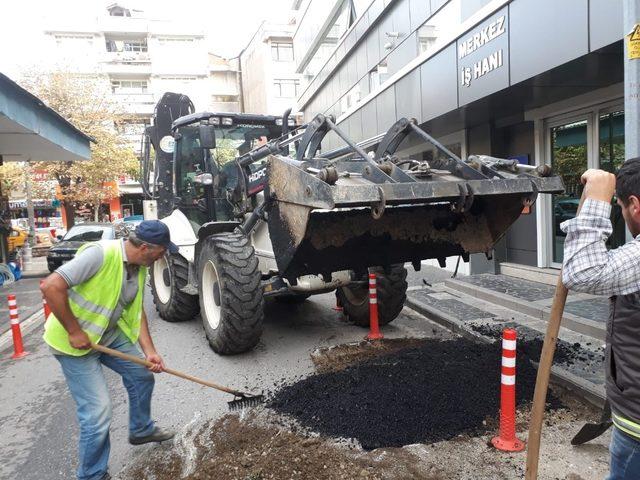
x,y
544,373
542,379
146,363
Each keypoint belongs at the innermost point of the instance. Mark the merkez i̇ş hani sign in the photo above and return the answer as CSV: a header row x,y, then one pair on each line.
x,y
476,41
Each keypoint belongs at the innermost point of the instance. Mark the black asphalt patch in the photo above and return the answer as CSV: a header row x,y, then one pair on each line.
x,y
434,392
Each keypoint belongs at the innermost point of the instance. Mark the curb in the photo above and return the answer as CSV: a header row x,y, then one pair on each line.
x,y
592,393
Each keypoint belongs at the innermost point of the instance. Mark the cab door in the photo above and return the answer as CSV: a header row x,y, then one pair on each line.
x,y
194,198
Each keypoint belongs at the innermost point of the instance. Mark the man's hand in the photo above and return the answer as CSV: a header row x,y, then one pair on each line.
x,y
598,185
156,359
80,340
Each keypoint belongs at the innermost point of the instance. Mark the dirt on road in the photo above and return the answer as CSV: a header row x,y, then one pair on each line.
x,y
424,409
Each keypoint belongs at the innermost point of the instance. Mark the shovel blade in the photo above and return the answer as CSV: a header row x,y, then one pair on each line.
x,y
590,431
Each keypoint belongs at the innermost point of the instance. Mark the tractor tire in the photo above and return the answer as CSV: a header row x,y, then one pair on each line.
x,y
231,301
168,275
392,293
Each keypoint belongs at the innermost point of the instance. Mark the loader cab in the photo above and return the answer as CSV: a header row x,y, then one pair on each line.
x,y
206,177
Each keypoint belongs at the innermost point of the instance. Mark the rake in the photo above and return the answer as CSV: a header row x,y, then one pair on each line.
x,y
241,399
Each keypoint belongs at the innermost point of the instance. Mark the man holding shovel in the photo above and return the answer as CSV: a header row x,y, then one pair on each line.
x,y
97,298
590,267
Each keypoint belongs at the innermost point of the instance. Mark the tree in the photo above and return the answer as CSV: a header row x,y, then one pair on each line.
x,y
85,102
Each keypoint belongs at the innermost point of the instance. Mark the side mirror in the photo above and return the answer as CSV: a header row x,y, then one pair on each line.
x,y
207,136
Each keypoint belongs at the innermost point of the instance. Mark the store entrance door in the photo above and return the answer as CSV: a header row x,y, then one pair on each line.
x,y
569,159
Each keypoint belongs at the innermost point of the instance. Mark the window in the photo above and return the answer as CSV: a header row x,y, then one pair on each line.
x,y
286,88
137,45
282,52
117,11
74,40
378,76
128,86
350,99
440,27
132,127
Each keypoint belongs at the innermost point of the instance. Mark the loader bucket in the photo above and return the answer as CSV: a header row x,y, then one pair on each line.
x,y
355,223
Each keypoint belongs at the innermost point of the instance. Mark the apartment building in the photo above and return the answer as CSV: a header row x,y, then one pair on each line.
x,y
140,59
540,81
270,84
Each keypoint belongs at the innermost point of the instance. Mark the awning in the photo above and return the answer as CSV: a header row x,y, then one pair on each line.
x,y
29,130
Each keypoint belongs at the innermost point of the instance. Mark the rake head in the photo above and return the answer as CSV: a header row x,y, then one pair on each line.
x,y
242,401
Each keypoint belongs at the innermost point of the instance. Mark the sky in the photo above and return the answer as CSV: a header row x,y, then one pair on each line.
x,y
229,24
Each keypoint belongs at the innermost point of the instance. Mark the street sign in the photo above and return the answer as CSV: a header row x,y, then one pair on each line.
x,y
633,42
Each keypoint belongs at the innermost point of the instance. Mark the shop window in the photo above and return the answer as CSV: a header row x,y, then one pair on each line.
x,y
611,157
569,159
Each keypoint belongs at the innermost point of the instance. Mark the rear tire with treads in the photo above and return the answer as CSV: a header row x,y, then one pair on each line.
x,y
231,300
391,292
168,275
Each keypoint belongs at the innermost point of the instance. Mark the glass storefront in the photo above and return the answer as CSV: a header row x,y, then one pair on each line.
x,y
570,156
611,156
569,160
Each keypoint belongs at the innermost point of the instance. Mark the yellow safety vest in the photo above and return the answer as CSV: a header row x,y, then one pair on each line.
x,y
94,301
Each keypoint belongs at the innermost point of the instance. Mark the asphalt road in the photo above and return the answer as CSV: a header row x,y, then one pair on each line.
x,y
38,430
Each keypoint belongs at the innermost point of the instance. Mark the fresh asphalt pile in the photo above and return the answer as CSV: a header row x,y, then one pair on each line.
x,y
426,394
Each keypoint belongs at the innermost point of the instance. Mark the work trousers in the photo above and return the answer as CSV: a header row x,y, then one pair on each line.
x,y
625,456
88,387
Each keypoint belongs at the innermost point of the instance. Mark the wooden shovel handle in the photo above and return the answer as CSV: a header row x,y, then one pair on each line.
x,y
542,379
544,372
146,363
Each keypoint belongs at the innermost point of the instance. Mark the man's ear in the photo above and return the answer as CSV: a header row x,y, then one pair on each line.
x,y
635,204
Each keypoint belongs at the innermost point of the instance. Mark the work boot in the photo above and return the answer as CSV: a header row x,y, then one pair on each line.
x,y
158,435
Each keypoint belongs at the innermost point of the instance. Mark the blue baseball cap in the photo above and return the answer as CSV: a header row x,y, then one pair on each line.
x,y
156,233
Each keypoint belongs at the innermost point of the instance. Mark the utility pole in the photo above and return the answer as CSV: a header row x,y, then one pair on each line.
x,y
631,21
30,212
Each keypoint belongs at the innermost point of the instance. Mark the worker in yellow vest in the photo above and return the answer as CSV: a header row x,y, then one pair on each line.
x,y
97,297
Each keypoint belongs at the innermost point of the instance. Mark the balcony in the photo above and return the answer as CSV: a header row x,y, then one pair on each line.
x,y
124,63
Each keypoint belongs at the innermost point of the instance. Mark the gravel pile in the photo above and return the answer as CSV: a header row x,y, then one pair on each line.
x,y
434,392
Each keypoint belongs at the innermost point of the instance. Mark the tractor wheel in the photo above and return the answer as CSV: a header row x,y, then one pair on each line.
x,y
392,293
168,275
231,301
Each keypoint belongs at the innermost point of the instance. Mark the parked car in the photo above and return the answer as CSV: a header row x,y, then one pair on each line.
x,y
133,221
78,235
565,209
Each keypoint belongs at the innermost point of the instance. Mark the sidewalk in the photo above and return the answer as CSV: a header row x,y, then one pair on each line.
x,y
481,306
28,297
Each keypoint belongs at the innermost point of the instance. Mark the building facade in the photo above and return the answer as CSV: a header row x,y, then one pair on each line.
x,y
540,81
140,59
270,84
